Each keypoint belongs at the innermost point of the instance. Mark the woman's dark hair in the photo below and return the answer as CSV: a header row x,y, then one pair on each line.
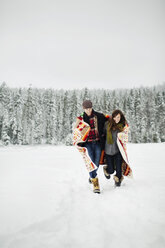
x,y
113,124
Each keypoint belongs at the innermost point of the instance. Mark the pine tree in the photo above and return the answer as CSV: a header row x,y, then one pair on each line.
x,y
17,118
39,118
5,128
28,117
160,113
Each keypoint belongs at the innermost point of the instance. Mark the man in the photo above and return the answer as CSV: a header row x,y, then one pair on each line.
x,y
95,140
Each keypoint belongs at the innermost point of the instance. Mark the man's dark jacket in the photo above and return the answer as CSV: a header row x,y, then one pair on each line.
x,y
101,119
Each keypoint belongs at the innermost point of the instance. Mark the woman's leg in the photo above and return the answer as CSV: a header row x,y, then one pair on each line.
x,y
110,163
118,163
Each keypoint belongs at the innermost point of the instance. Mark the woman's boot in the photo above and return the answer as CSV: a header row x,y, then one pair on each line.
x,y
118,181
106,174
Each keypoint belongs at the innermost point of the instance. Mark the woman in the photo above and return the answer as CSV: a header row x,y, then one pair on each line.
x,y
116,130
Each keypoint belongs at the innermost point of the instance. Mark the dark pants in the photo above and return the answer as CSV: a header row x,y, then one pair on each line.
x,y
94,151
114,163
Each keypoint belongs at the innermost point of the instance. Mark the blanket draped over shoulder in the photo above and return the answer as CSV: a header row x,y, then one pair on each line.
x,y
122,139
80,134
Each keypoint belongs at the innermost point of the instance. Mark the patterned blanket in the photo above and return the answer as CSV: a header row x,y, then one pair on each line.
x,y
80,135
122,139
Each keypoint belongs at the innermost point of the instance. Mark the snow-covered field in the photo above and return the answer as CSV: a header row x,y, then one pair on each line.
x,y
46,201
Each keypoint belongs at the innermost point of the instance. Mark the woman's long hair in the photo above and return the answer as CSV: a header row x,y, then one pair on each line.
x,y
113,124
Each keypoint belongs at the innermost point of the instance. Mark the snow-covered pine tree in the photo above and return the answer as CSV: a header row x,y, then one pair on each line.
x,y
160,115
67,124
38,136
109,107
71,114
50,111
17,117
60,133
151,118
28,117
4,113
131,116
143,116
138,114
5,128
86,94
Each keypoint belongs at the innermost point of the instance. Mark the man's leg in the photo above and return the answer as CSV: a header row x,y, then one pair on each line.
x,y
96,158
90,149
97,153
93,175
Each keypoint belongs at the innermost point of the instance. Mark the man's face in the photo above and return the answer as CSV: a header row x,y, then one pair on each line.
x,y
88,111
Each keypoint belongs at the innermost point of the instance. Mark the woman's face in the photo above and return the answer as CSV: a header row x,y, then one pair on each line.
x,y
117,118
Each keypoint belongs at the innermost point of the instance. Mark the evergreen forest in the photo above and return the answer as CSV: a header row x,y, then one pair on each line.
x,y
30,116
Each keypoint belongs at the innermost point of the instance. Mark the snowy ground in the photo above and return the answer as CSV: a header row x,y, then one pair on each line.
x,y
46,201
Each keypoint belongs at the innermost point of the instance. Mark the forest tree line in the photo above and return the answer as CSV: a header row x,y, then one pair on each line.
x,y
47,116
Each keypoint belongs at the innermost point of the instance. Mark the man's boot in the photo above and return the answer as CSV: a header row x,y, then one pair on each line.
x,y
96,187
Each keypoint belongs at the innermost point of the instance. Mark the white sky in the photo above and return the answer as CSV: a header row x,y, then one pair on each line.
x,y
73,44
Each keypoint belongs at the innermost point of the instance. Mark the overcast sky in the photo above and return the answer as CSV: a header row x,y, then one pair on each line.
x,y
73,44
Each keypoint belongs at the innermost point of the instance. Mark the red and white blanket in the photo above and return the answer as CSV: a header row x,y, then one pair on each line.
x,y
80,135
122,139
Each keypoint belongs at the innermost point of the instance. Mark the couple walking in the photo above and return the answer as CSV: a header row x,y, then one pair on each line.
x,y
107,135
